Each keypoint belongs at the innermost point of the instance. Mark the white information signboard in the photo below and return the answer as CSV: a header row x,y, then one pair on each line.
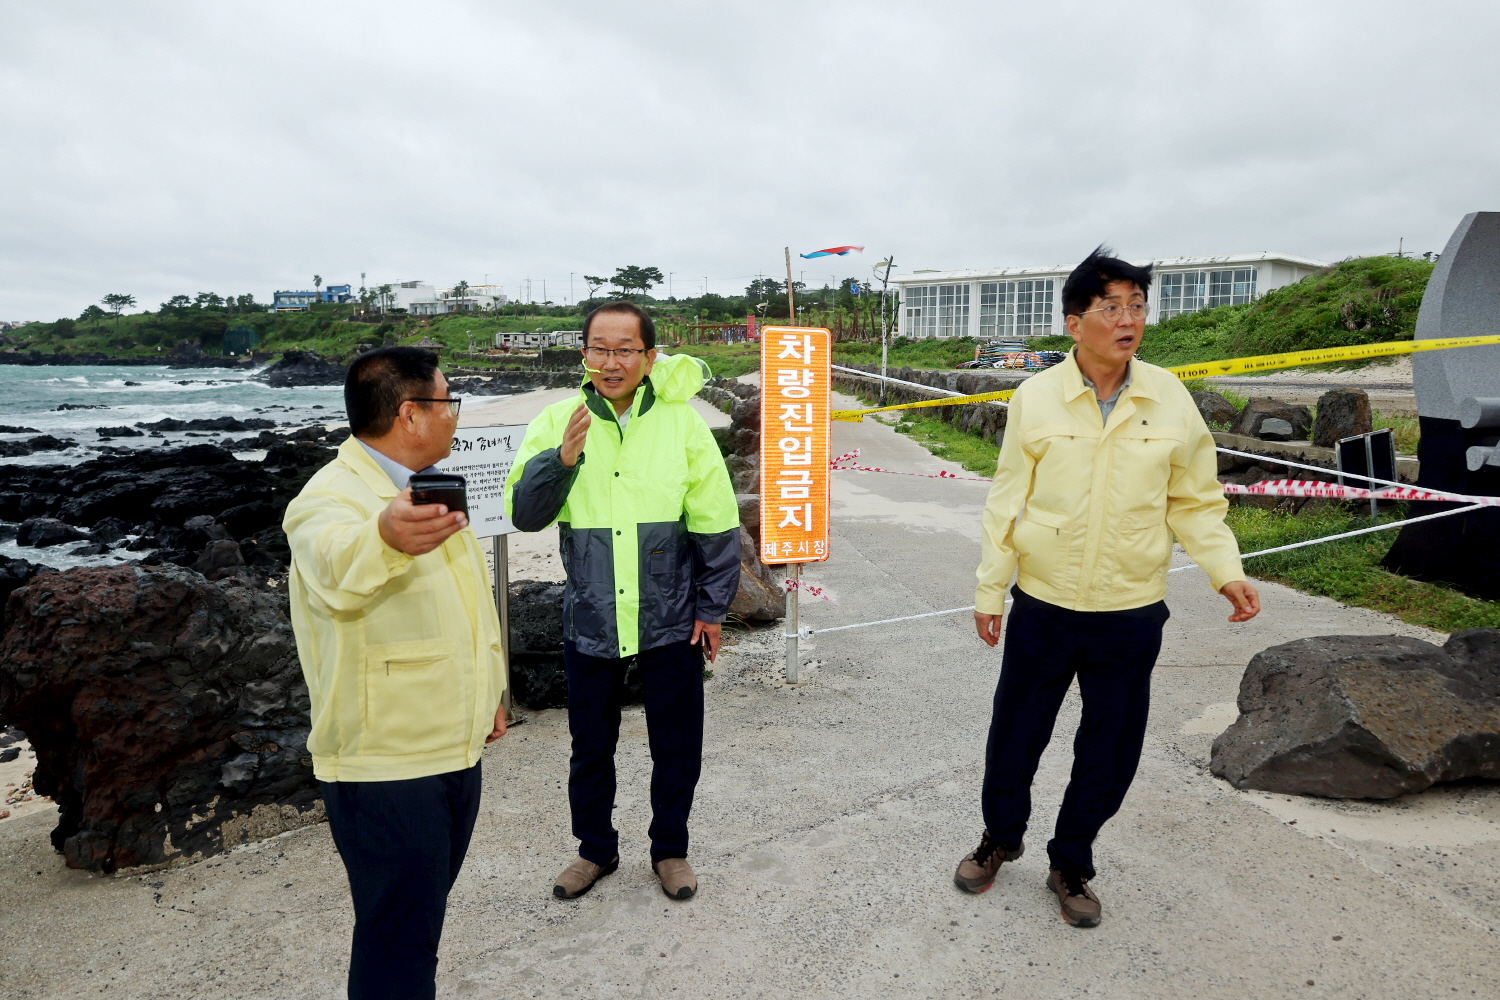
x,y
483,456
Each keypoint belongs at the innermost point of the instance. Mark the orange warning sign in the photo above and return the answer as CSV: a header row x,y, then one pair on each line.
x,y
794,387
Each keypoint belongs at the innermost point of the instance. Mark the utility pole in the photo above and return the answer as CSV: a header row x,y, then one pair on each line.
x,y
791,302
669,284
885,339
570,286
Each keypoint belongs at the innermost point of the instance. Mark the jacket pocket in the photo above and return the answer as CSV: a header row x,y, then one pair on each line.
x,y
1044,542
1143,551
412,700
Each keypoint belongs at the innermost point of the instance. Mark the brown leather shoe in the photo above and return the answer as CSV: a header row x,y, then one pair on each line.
x,y
677,878
579,877
1080,907
976,872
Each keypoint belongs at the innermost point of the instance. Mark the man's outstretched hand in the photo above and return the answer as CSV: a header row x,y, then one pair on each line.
x,y
1245,598
417,528
988,627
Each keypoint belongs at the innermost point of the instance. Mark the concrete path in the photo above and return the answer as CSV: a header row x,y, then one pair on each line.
x,y
828,824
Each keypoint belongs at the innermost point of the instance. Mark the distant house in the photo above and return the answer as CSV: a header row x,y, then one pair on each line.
x,y
421,299
301,301
534,340
1023,301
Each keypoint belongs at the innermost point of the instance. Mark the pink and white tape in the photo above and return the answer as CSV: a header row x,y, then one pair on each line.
x,y
840,464
1333,491
809,588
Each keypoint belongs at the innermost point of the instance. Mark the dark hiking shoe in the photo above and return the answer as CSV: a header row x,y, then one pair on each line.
x,y
976,873
677,878
1080,907
579,877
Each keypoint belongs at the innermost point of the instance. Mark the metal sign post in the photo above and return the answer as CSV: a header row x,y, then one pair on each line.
x,y
483,456
794,452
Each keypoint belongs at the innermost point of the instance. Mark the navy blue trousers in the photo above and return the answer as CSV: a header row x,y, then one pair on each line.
x,y
403,843
672,678
1112,654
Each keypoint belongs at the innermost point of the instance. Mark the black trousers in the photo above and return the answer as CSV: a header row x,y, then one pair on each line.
x,y
1112,654
672,676
403,843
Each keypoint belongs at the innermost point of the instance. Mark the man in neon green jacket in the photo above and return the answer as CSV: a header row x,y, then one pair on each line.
x,y
1105,458
649,530
400,645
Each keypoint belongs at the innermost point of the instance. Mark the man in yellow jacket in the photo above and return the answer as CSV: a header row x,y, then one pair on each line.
x,y
1105,458
400,645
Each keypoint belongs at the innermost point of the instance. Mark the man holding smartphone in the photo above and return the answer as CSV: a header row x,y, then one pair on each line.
x,y
649,530
400,644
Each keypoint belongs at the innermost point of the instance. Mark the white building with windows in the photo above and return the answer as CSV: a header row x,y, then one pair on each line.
x,y
1025,301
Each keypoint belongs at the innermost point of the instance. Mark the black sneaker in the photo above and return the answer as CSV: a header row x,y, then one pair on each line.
x,y
976,872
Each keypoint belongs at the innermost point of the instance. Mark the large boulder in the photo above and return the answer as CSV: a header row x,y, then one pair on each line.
x,y
168,714
1365,716
1258,410
1342,413
301,368
762,594
537,679
43,532
1214,408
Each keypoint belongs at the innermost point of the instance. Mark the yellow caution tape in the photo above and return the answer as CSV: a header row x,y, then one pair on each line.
x,y
1234,366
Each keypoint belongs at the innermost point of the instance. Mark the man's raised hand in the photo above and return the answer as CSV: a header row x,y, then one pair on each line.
x,y
574,435
417,529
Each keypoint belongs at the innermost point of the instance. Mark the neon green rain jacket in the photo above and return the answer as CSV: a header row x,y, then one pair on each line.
x,y
648,523
402,655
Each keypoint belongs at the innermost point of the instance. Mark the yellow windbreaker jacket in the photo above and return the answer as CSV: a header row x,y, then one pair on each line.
x,y
402,655
1086,510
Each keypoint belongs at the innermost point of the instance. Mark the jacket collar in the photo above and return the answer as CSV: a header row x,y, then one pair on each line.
x,y
1074,385
645,397
353,454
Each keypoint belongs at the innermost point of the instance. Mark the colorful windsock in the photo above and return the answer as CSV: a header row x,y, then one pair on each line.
x,y
830,252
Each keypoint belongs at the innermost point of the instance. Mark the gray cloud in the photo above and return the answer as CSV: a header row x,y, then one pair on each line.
x,y
158,148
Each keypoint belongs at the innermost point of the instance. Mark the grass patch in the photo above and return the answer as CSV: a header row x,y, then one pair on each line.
x,y
943,354
724,360
1407,430
1349,571
948,442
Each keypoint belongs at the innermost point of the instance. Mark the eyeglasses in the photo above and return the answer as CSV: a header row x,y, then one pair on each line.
x,y
1112,311
453,402
625,354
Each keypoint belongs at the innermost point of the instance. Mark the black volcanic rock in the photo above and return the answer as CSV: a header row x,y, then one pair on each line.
x,y
8,429
301,368
168,714
1365,716
120,432
209,424
43,532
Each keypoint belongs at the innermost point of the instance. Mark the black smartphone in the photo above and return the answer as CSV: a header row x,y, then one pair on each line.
x,y
440,487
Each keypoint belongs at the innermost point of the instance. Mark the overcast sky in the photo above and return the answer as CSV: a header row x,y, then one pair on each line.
x,y
156,148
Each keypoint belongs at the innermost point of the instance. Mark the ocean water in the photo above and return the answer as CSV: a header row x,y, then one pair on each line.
x,y
31,397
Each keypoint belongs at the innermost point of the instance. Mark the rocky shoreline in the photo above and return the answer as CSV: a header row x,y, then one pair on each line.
x,y
161,694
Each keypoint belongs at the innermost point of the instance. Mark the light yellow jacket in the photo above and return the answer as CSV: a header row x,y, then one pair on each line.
x,y
1081,509
402,655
